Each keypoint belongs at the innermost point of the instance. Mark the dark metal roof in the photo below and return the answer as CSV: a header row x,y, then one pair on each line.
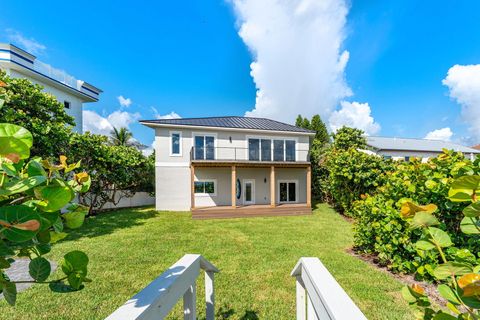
x,y
235,122
384,143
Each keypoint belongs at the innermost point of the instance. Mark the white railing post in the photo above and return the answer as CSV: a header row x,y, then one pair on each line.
x,y
210,295
311,314
301,301
190,303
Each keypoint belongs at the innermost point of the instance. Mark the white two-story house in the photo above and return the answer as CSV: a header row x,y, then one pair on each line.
x,y
230,163
69,91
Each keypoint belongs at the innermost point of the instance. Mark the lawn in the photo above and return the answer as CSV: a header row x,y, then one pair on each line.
x,y
129,248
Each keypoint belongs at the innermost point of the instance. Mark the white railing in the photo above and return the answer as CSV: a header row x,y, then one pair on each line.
x,y
160,296
319,296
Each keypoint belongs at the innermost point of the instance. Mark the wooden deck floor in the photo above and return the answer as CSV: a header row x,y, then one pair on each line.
x,y
225,212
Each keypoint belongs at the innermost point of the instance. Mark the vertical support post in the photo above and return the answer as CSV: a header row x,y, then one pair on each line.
x,y
192,187
272,186
234,181
190,303
301,301
210,295
309,186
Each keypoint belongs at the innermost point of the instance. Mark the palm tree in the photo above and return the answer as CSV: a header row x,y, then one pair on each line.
x,y
124,137
121,137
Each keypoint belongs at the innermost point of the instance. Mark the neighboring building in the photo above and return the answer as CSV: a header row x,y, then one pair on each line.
x,y
404,149
230,161
72,93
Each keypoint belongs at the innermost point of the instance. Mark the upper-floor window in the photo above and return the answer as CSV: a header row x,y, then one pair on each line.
x,y
263,149
204,147
175,143
66,104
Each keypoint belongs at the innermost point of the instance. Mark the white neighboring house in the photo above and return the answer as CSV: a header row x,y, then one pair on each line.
x,y
406,148
230,161
72,93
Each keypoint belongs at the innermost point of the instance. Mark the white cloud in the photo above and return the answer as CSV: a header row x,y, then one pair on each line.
x,y
97,124
149,150
298,65
355,115
464,86
29,44
444,134
171,115
124,102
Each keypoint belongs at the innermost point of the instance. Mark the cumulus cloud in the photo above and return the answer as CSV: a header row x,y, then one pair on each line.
x,y
444,134
356,115
463,83
124,102
298,65
29,44
97,124
171,115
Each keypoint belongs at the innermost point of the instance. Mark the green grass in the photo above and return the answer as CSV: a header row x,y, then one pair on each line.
x,y
130,248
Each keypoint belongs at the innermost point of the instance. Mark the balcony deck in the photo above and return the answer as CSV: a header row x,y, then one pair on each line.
x,y
226,212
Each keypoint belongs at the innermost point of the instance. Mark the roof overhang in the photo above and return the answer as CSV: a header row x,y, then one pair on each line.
x,y
182,126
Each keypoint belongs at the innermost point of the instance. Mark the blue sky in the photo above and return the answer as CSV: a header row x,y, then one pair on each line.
x,y
187,57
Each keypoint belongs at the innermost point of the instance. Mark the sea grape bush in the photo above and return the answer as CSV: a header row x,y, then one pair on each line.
x,y
460,273
36,210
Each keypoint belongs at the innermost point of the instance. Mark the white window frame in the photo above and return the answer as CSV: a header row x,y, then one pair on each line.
x,y
297,191
214,194
171,144
245,193
206,134
271,138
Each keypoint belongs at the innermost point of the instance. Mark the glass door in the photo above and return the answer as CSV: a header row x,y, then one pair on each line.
x,y
249,191
287,191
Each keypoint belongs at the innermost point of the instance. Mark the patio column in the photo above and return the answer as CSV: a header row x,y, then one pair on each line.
x,y
192,187
234,181
309,186
272,186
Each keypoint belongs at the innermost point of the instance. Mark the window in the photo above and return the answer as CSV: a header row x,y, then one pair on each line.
x,y
407,158
253,149
278,151
206,187
175,143
289,150
287,191
387,157
204,148
66,104
266,149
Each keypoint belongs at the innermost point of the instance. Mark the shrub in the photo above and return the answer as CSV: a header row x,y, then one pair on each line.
x,y
32,194
116,171
460,273
380,230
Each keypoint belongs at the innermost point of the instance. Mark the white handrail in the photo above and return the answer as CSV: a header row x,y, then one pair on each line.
x,y
319,296
157,299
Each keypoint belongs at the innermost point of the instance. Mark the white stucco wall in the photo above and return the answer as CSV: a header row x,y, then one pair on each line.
x,y
75,103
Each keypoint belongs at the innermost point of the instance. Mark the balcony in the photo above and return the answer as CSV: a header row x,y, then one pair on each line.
x,y
246,155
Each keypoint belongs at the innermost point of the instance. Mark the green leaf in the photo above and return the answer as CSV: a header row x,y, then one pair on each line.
x,y
22,185
447,293
4,264
39,269
423,219
15,140
443,316
74,265
451,268
472,210
424,245
462,189
408,295
74,219
56,196
470,225
440,237
5,251
17,215
9,292
35,168
430,184
57,236
9,169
